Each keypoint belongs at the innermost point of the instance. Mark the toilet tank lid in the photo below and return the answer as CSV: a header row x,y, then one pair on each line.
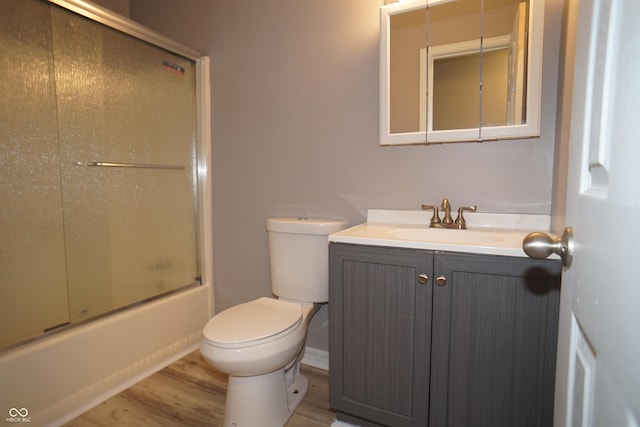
x,y
304,225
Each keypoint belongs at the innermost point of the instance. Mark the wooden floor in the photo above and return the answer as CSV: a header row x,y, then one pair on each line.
x,y
190,392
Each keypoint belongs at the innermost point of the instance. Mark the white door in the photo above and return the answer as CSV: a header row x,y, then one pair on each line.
x,y
598,375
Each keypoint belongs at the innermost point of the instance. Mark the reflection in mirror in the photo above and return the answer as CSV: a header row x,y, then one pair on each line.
x,y
465,87
455,75
506,19
453,65
407,39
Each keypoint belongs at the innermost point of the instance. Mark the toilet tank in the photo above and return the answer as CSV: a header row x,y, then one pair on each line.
x,y
299,257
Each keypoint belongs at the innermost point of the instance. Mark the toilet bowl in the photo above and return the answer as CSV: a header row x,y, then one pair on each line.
x,y
260,344
256,337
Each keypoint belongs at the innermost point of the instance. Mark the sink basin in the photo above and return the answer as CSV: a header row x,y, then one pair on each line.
x,y
455,237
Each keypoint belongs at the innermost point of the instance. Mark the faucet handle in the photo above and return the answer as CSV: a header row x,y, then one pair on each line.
x,y
435,219
460,221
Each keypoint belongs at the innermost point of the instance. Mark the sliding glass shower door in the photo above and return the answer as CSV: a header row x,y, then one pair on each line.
x,y
127,132
33,282
106,125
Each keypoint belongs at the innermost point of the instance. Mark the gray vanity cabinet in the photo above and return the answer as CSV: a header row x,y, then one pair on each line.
x,y
473,346
493,347
380,334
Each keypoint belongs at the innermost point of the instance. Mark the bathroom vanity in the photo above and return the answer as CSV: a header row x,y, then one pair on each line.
x,y
439,331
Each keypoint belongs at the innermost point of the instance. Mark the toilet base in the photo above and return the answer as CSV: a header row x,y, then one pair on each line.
x,y
263,400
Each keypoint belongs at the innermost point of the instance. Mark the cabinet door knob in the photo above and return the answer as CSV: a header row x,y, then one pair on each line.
x,y
423,278
441,280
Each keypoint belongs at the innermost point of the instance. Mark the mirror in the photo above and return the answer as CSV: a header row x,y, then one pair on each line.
x,y
440,81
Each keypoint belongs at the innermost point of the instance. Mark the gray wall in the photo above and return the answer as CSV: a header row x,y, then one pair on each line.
x,y
295,129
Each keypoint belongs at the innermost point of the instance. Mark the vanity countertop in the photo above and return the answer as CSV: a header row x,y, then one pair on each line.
x,y
486,233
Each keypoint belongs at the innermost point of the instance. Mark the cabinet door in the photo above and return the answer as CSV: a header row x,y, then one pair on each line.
x,y
494,341
380,334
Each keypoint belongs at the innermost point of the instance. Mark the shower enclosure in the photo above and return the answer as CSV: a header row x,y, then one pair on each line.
x,y
98,177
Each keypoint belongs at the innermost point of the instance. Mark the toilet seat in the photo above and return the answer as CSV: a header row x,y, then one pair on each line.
x,y
252,323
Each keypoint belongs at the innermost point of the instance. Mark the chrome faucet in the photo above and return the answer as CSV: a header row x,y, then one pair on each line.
x,y
447,221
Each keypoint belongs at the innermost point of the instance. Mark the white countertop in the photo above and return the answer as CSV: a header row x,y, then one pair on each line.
x,y
395,229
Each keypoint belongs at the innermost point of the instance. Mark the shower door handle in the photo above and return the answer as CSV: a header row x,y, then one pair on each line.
x,y
128,165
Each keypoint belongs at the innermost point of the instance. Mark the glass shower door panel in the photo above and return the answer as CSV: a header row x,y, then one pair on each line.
x,y
130,224
33,283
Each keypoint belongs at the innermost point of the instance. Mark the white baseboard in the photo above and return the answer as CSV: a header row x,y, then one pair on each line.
x,y
316,358
337,423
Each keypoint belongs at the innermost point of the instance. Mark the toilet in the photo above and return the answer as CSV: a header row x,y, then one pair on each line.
x,y
260,344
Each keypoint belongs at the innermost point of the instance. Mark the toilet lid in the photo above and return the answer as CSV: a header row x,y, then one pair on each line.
x,y
253,321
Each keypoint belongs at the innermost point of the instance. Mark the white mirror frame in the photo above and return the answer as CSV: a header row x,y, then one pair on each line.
x,y
530,129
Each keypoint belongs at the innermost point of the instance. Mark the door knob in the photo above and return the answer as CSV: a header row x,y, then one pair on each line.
x,y
423,278
441,280
540,245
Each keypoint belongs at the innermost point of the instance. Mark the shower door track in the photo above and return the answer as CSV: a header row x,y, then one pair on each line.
x,y
120,23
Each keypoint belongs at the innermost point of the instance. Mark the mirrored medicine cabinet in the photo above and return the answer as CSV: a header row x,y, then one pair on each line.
x,y
460,70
